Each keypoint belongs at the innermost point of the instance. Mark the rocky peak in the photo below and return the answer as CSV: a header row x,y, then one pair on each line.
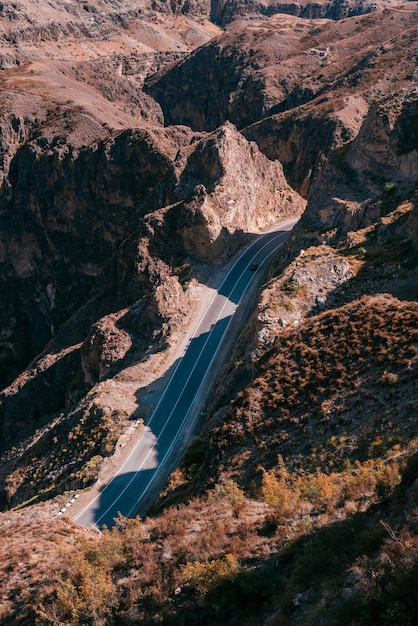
x,y
234,188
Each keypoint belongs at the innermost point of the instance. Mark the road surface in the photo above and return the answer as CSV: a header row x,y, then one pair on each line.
x,y
139,480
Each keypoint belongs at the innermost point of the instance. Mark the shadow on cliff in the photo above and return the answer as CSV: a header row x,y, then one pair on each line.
x,y
230,282
57,384
246,270
38,398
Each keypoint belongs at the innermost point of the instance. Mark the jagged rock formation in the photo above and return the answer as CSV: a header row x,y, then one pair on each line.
x,y
126,265
234,188
62,249
381,161
56,191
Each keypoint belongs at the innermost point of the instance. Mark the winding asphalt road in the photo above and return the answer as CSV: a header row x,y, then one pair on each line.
x,y
138,481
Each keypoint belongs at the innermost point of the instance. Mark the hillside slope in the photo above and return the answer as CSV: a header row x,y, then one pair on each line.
x,y
305,501
141,146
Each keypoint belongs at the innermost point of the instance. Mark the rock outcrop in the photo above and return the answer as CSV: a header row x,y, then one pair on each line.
x,y
298,91
306,287
233,188
226,11
361,180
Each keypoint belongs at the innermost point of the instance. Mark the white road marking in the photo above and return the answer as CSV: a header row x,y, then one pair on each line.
x,y
154,464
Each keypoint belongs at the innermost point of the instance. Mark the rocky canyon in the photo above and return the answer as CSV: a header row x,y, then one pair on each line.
x,y
143,145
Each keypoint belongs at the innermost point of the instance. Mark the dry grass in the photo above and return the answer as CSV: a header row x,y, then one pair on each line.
x,y
199,560
340,389
287,527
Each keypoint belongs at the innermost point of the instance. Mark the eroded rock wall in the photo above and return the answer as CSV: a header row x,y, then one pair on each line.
x,y
381,162
64,213
226,11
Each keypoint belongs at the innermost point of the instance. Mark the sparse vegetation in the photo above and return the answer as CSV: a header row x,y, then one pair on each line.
x,y
63,458
390,188
291,287
389,378
317,515
298,502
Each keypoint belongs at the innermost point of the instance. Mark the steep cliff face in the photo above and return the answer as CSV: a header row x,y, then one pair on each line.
x,y
17,123
410,229
119,291
64,212
354,72
272,65
234,188
235,70
301,139
297,90
54,261
226,11
362,179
